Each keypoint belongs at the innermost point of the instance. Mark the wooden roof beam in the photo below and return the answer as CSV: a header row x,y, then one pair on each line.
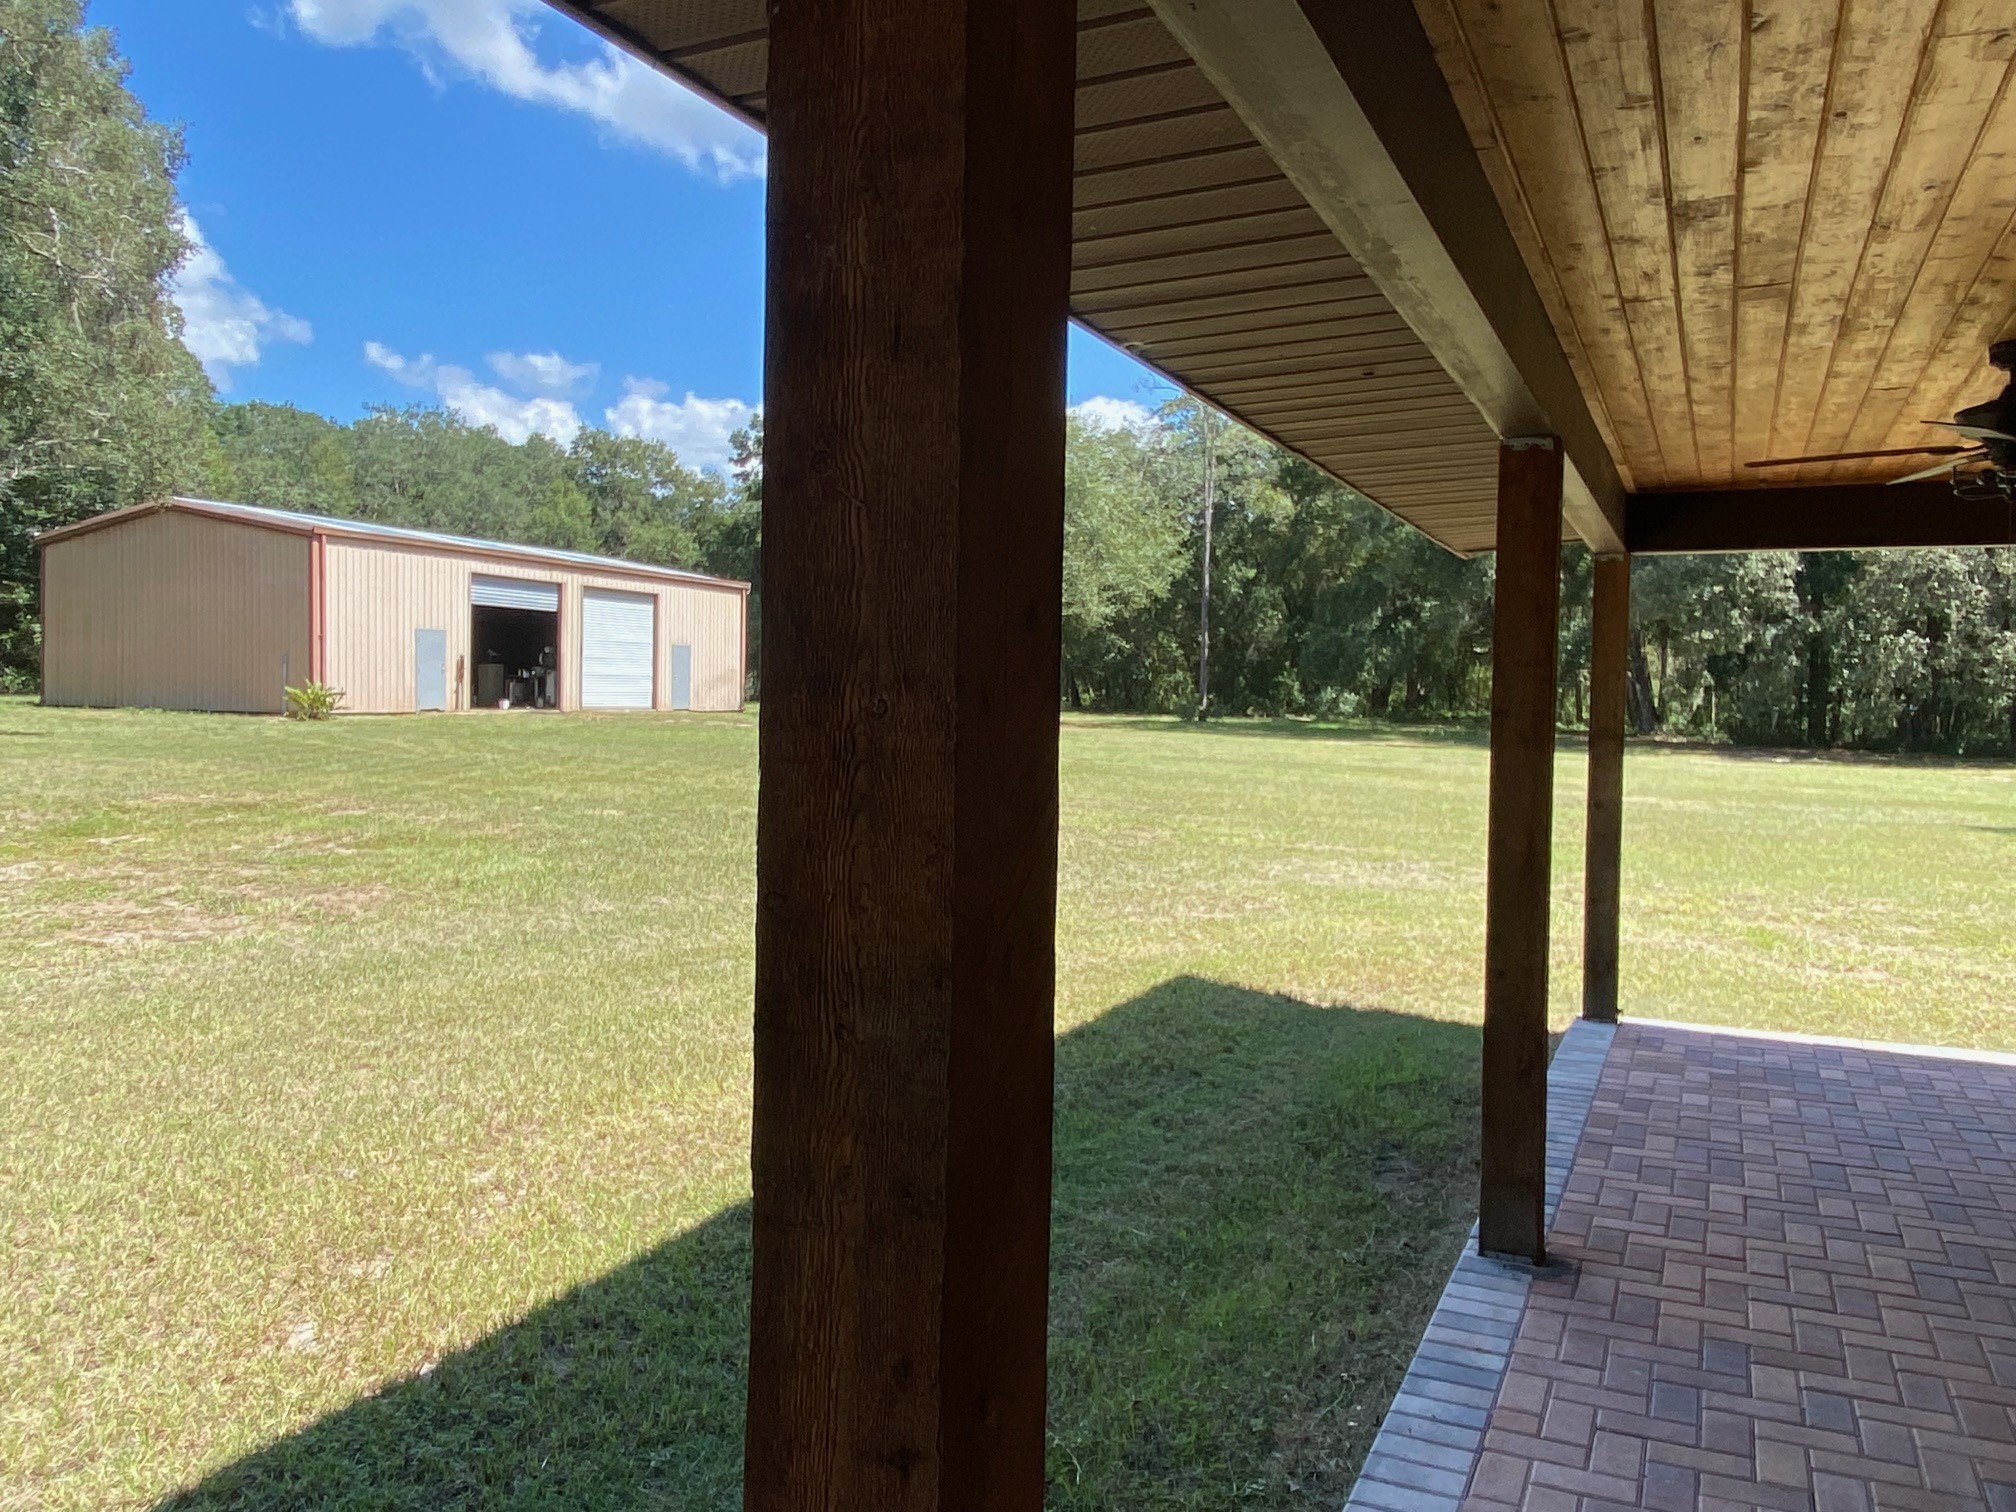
x,y
1827,517
1351,103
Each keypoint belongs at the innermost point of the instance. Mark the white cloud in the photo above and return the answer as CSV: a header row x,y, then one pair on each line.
x,y
477,402
1102,412
497,41
542,372
225,325
697,429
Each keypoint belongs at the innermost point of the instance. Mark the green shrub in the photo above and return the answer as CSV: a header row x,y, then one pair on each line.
x,y
313,700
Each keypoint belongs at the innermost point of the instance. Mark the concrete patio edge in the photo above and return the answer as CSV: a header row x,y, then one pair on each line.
x,y
1430,1438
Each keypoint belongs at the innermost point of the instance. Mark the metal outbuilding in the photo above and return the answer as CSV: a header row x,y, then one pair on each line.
x,y
192,604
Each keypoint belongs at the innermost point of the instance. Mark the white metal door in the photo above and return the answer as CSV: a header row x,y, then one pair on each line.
x,y
430,669
618,646
682,677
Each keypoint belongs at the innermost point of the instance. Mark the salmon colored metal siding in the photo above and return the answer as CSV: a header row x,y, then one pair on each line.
x,y
175,611
709,621
378,593
375,597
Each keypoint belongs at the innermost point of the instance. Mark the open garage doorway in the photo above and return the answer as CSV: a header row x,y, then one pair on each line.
x,y
514,644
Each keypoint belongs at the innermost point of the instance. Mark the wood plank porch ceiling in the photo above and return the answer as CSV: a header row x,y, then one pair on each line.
x,y
1192,250
1760,228
1763,228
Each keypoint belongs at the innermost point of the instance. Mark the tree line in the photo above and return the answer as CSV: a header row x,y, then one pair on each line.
x,y
1321,604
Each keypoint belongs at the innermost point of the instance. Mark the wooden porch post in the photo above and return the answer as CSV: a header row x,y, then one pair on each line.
x,y
1609,636
1524,648
918,268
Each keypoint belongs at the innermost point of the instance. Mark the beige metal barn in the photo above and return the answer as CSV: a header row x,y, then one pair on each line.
x,y
191,604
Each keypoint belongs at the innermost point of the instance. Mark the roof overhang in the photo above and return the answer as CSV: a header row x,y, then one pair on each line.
x,y
1390,233
1197,253
1352,104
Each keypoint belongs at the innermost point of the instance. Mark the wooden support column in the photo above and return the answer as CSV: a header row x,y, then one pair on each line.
x,y
918,271
1603,854
1524,647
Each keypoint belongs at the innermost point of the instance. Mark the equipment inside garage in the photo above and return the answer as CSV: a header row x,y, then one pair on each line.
x,y
514,636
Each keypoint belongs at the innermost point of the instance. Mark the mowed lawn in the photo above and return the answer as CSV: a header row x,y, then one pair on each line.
x,y
374,1096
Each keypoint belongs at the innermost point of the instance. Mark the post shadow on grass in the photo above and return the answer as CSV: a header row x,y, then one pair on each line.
x,y
1456,731
1256,1201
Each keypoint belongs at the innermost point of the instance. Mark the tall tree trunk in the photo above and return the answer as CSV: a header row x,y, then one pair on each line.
x,y
1817,694
1644,712
1204,595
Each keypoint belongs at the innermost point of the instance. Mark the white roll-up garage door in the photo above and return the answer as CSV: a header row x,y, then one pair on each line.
x,y
513,593
618,644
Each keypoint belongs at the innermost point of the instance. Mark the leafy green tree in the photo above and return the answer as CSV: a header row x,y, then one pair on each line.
x,y
425,467
1395,623
646,504
100,403
563,519
730,536
281,457
1718,644
1248,627
1123,542
1925,654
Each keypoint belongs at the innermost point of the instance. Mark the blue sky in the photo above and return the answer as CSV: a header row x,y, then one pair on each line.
x,y
471,202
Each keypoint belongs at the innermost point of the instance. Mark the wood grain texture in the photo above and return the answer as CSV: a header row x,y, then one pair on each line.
x,y
1603,837
1508,75
1524,647
1772,227
907,821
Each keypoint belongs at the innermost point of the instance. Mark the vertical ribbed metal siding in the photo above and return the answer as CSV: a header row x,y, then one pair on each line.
x,y
619,649
379,593
710,621
174,611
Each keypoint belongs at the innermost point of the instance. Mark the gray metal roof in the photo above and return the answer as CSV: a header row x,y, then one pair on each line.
x,y
289,519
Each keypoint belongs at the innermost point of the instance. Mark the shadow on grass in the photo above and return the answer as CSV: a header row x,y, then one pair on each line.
x,y
1256,1203
1812,756
1365,731
1477,732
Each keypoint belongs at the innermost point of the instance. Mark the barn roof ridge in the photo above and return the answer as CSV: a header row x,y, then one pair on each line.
x,y
302,523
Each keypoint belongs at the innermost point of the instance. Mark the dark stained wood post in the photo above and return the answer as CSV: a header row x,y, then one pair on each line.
x,y
1524,647
1609,641
919,260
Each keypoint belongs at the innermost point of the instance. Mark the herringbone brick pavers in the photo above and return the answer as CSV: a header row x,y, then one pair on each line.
x,y
1430,1440
1794,1287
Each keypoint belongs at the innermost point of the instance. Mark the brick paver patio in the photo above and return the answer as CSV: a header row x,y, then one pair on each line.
x,y
1793,1270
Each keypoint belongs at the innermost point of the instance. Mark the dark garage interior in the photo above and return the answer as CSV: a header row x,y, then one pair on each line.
x,y
516,654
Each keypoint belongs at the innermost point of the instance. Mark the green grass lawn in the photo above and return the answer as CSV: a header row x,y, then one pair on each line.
x,y
374,1096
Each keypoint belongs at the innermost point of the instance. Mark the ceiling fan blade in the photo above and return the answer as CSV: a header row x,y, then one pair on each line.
x,y
1978,432
1895,451
1938,467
